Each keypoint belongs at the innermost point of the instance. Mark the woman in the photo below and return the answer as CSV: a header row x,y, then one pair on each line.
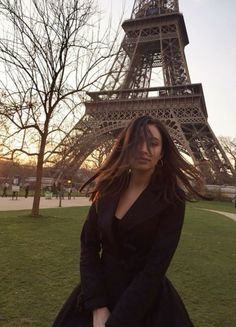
x,y
131,233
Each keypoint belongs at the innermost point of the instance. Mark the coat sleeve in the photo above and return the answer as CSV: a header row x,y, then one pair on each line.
x,y
92,283
146,286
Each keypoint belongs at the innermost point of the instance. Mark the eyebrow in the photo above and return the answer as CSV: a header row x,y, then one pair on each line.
x,y
154,138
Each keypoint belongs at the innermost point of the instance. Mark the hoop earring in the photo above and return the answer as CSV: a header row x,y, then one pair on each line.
x,y
161,163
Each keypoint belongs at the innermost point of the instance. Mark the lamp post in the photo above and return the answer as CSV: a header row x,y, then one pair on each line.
x,y
69,189
60,193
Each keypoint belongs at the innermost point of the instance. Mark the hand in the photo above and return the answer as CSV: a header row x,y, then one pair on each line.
x,y
100,316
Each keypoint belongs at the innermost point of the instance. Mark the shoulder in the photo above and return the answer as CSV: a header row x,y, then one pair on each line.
x,y
168,193
106,200
174,202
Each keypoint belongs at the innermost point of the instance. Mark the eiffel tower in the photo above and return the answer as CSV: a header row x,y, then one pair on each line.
x,y
153,46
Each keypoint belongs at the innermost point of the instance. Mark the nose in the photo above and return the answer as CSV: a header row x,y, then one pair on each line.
x,y
143,147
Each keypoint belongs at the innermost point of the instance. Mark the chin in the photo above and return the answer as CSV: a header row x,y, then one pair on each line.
x,y
144,168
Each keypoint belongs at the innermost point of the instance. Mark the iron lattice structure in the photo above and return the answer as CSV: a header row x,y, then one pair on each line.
x,y
154,42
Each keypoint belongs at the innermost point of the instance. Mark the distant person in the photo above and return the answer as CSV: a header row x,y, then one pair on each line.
x,y
74,191
60,190
5,189
54,190
26,191
15,191
131,234
69,193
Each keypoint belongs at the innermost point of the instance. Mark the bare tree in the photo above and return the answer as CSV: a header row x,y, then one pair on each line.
x,y
99,155
51,52
229,145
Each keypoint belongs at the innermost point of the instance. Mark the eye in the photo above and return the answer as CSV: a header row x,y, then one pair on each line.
x,y
154,142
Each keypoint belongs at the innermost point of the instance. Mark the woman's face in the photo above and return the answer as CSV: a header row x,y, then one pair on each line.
x,y
145,158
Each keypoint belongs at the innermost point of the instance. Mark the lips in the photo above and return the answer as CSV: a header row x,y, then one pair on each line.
x,y
143,159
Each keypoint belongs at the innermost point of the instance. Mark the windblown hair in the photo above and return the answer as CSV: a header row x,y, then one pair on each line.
x,y
174,171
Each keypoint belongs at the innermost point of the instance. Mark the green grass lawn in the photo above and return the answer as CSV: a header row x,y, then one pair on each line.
x,y
39,261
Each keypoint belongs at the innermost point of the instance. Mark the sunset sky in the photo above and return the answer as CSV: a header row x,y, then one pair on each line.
x,y
211,54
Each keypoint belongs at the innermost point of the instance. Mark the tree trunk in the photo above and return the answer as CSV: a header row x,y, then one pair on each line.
x,y
39,174
235,181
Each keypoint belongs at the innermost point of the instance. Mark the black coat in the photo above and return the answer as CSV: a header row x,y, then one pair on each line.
x,y
126,270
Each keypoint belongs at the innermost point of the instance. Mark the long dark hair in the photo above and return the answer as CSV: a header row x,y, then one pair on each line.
x,y
113,176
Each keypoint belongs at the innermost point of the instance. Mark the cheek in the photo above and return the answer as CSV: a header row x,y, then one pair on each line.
x,y
157,155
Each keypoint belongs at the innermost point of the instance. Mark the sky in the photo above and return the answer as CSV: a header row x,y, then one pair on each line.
x,y
210,54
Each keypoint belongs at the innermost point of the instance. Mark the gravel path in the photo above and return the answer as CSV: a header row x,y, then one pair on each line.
x,y
7,204
226,214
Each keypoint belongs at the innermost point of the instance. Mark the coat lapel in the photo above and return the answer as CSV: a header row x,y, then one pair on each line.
x,y
143,209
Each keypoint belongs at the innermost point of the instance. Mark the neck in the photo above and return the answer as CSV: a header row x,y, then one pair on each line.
x,y
140,179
